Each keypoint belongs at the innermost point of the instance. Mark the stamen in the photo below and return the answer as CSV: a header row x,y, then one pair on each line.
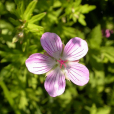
x,y
62,62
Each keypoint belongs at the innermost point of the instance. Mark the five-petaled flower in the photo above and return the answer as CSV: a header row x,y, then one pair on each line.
x,y
59,62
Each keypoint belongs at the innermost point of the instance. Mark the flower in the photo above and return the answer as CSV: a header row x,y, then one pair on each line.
x,y
107,32
59,62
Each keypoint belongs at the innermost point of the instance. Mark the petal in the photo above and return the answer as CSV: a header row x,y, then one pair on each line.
x,y
78,74
75,49
51,42
55,83
38,63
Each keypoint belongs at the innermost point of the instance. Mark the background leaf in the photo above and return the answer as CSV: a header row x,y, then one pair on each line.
x,y
28,12
95,37
37,17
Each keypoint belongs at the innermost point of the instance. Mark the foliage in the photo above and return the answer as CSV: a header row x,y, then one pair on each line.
x,y
22,22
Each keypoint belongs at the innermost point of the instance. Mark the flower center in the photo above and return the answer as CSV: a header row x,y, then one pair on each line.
x,y
62,62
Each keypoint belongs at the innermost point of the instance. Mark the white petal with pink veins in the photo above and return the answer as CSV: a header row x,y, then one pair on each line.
x,y
52,43
38,63
55,83
75,49
77,73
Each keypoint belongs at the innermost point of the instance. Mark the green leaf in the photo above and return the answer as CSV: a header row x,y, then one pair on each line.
x,y
111,68
6,25
29,10
95,37
93,109
69,31
35,29
15,22
108,50
2,8
7,93
109,79
57,4
81,20
20,6
86,8
37,17
10,6
108,53
104,110
10,44
79,34
15,39
77,3
67,97
95,60
23,100
73,18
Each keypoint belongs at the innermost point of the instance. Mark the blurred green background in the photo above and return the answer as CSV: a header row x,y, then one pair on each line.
x,y
22,22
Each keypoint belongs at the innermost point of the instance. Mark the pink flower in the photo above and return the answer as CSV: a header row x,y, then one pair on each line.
x,y
60,62
107,32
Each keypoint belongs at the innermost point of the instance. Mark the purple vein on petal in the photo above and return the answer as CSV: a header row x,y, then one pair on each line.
x,y
41,70
77,52
38,63
56,44
74,78
72,52
48,47
68,48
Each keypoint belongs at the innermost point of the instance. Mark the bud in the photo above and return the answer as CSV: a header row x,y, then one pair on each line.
x,y
20,35
15,39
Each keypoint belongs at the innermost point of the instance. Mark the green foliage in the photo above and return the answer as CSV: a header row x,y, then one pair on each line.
x,y
37,17
22,22
29,10
95,37
75,11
